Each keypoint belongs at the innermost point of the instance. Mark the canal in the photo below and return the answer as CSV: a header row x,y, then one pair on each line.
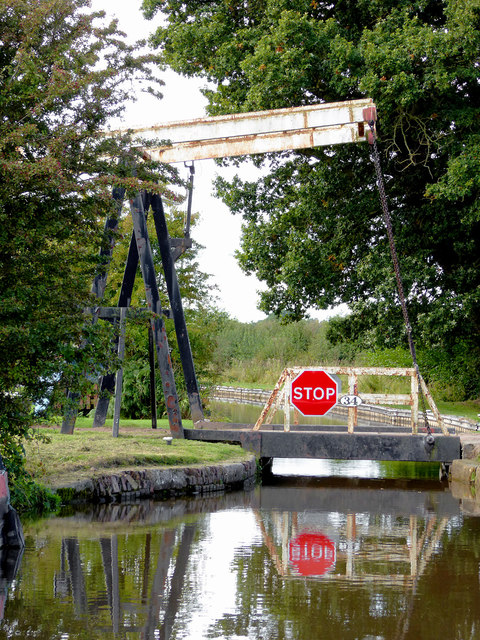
x,y
351,556
322,550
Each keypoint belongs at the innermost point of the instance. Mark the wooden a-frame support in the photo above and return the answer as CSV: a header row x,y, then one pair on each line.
x,y
220,136
140,251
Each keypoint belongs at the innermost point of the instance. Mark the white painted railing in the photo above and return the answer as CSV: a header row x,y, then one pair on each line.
x,y
365,412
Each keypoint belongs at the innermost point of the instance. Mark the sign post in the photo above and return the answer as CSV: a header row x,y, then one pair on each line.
x,y
314,393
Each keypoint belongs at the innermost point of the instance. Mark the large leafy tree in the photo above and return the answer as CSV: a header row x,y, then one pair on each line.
x,y
313,231
63,76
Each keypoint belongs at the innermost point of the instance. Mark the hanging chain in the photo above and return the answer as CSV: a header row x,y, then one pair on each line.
x,y
396,267
188,214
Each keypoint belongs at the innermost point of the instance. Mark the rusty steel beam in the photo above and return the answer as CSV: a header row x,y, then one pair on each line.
x,y
259,131
387,398
361,371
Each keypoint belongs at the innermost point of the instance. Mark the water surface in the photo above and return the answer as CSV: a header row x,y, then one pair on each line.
x,y
301,558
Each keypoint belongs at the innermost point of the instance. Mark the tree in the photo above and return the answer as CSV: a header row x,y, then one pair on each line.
x,y
313,231
63,74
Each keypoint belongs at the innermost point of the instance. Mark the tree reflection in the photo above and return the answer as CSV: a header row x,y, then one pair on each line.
x,y
136,598
395,576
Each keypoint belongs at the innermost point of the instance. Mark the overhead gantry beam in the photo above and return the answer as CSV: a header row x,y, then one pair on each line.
x,y
260,131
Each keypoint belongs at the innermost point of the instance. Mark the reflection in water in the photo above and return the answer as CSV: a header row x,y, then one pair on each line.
x,y
10,560
249,413
360,547
300,559
326,468
354,468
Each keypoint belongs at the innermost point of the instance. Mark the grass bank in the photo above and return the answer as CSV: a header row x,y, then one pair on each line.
x,y
90,453
468,409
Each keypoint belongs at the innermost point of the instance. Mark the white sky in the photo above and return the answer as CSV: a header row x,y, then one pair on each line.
x,y
218,230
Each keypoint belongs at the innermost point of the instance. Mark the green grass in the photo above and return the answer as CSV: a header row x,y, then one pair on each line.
x,y
126,423
90,453
468,409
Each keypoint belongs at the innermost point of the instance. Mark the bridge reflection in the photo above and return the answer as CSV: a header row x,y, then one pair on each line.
x,y
360,548
132,568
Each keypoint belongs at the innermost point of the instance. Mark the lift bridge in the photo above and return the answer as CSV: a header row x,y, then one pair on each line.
x,y
235,135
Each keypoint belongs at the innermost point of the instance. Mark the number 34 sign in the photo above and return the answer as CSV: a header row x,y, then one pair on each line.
x,y
350,401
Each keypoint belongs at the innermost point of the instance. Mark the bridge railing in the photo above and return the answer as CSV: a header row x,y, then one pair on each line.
x,y
240,395
365,412
282,392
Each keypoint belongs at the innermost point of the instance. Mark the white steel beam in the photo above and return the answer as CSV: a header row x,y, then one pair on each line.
x,y
260,131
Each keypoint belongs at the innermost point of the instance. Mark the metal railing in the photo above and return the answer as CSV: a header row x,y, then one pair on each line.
x,y
365,412
279,398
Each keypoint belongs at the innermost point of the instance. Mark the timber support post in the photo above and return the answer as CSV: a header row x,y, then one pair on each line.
x,y
157,323
177,308
107,384
153,391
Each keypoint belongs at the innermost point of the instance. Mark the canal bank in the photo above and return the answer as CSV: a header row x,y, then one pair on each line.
x,y
124,485
128,484
128,476
91,466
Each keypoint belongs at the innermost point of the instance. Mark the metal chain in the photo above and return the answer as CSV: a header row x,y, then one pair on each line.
x,y
188,214
396,267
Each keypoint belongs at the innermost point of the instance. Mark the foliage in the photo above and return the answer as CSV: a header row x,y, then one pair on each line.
x,y
30,497
63,74
313,231
256,353
203,319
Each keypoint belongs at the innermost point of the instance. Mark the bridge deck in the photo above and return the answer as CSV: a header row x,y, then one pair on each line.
x,y
381,442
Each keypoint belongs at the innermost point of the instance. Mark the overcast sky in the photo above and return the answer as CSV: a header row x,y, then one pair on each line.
x,y
218,231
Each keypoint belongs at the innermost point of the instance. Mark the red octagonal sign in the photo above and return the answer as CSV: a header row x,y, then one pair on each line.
x,y
312,554
314,393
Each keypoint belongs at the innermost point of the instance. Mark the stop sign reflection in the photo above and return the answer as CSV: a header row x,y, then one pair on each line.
x,y
312,554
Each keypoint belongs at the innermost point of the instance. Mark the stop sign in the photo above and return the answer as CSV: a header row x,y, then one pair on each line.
x,y
311,554
314,393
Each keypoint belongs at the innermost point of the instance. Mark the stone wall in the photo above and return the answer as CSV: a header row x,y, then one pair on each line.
x,y
159,483
465,475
